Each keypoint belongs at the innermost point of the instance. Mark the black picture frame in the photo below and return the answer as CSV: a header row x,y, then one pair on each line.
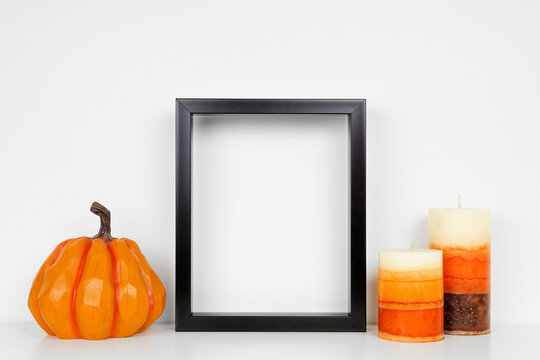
x,y
355,320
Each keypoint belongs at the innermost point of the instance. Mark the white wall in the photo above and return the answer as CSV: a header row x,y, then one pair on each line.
x,y
87,94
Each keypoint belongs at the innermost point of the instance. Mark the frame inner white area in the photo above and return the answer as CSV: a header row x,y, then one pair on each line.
x,y
270,213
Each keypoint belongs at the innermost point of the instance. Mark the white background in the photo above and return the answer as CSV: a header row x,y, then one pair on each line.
x,y
270,213
87,94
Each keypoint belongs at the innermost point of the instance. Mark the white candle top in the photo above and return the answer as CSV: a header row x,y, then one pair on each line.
x,y
459,228
410,260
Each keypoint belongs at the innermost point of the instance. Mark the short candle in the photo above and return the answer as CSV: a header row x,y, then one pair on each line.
x,y
464,237
411,295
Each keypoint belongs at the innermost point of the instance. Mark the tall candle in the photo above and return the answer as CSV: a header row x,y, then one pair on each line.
x,y
411,295
464,237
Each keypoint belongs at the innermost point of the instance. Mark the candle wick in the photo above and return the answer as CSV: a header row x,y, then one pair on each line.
x,y
459,201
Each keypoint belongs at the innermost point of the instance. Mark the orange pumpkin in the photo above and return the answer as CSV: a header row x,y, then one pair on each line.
x,y
97,287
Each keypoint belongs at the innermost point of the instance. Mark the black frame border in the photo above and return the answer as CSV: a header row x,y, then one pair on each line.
x,y
185,320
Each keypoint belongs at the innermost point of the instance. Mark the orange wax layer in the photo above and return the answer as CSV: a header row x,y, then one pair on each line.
x,y
411,325
410,290
467,271
387,336
411,305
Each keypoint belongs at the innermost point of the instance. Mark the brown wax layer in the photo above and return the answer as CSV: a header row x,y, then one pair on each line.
x,y
466,314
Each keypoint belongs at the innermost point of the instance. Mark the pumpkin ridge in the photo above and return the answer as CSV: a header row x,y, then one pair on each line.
x,y
57,255
61,247
115,284
73,314
148,286
37,286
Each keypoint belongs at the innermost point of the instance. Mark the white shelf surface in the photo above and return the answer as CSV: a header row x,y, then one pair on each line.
x,y
28,341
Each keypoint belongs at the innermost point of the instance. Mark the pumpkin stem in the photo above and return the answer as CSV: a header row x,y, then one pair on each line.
x,y
105,217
